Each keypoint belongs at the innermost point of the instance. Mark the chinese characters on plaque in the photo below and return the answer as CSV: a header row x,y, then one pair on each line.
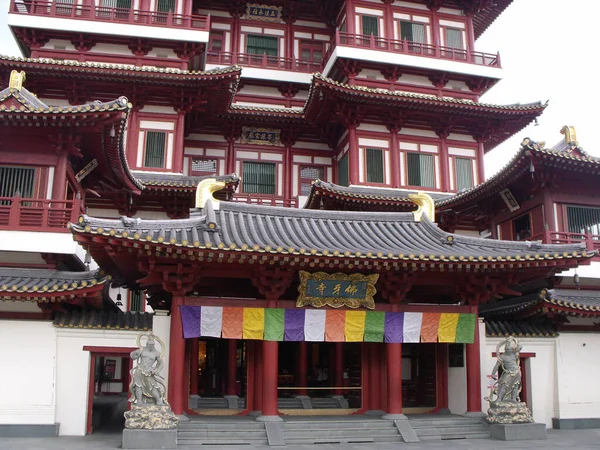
x,y
262,136
263,12
336,290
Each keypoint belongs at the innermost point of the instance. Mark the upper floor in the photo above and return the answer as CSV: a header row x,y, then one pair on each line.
x,y
284,40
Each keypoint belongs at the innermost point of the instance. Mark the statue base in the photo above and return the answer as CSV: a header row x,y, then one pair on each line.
x,y
149,439
509,413
150,417
518,431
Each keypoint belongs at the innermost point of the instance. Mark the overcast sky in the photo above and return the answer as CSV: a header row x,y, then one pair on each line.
x,y
549,51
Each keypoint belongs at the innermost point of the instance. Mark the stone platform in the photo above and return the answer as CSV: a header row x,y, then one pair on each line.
x,y
149,439
508,413
518,431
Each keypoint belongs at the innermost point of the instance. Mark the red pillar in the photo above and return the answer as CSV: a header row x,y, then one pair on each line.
x,y
302,367
474,373
394,378
194,346
258,373
270,373
59,188
230,157
231,366
394,156
442,375
250,350
444,166
353,160
480,163
374,376
177,163
339,367
288,178
176,358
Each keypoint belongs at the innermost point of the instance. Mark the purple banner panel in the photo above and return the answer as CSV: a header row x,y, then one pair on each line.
x,y
394,324
294,325
190,319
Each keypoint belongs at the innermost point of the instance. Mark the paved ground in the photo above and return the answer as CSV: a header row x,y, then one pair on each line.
x,y
557,440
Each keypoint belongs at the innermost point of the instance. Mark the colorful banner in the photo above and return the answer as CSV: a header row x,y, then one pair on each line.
x,y
329,325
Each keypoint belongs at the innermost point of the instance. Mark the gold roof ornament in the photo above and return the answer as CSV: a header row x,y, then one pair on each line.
x,y
426,205
16,80
570,135
206,189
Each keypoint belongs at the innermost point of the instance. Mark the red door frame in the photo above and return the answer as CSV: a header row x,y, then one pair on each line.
x,y
95,352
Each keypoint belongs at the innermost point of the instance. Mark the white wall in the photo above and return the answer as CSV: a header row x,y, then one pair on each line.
x,y
577,375
27,372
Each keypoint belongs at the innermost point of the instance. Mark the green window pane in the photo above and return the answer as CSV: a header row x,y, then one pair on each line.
x,y
17,180
166,6
464,173
375,165
137,298
370,25
420,170
343,171
258,178
155,149
583,220
261,45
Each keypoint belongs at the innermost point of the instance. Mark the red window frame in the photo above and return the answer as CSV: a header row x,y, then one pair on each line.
x,y
310,180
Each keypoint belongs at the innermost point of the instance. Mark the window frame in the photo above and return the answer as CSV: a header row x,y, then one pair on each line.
x,y
216,35
301,180
434,173
362,26
243,183
265,54
142,294
337,169
204,158
366,159
164,164
311,46
455,172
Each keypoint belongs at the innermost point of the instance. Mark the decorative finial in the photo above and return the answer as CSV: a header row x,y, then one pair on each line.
x,y
570,135
206,189
16,80
426,205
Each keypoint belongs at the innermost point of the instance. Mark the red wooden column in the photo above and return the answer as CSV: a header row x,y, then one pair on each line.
x,y
231,366
394,381
474,371
353,160
374,376
194,347
443,132
176,395
59,187
258,372
302,367
178,149
339,367
230,155
270,376
394,154
442,376
480,163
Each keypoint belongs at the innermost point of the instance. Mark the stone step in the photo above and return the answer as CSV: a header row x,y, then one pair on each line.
x,y
420,423
202,434
223,426
475,435
340,433
328,424
451,430
196,443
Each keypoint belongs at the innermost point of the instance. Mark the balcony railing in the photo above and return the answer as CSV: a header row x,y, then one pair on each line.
x,y
26,214
592,241
93,12
266,200
263,61
412,48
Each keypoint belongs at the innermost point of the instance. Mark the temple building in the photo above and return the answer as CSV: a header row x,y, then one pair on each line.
x,y
292,196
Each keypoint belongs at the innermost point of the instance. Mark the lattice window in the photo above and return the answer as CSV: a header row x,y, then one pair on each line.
x,y
262,45
166,6
375,165
258,178
155,149
204,166
16,180
581,219
420,170
464,173
370,25
308,174
136,301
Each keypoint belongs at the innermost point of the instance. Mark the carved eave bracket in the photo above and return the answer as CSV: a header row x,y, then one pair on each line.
x,y
272,281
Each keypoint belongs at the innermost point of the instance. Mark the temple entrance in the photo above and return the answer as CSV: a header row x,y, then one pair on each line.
x,y
419,377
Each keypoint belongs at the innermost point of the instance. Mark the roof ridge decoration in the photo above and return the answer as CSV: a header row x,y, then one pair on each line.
x,y
570,135
206,190
16,79
426,206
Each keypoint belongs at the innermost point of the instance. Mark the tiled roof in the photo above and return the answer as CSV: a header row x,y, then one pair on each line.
x,y
260,229
45,284
113,320
520,328
167,180
581,301
364,194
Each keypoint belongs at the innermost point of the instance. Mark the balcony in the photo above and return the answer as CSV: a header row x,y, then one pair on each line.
x,y
268,200
402,52
26,214
51,15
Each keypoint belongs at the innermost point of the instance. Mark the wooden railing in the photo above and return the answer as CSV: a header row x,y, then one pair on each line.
x,y
592,241
263,61
266,200
26,214
94,12
412,48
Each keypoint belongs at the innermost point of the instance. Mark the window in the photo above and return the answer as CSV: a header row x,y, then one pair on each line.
x,y
15,180
581,219
261,45
166,6
464,173
308,174
420,170
370,25
375,165
155,149
454,38
522,227
258,178
216,41
343,171
64,7
136,301
120,4
413,32
311,51
201,166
